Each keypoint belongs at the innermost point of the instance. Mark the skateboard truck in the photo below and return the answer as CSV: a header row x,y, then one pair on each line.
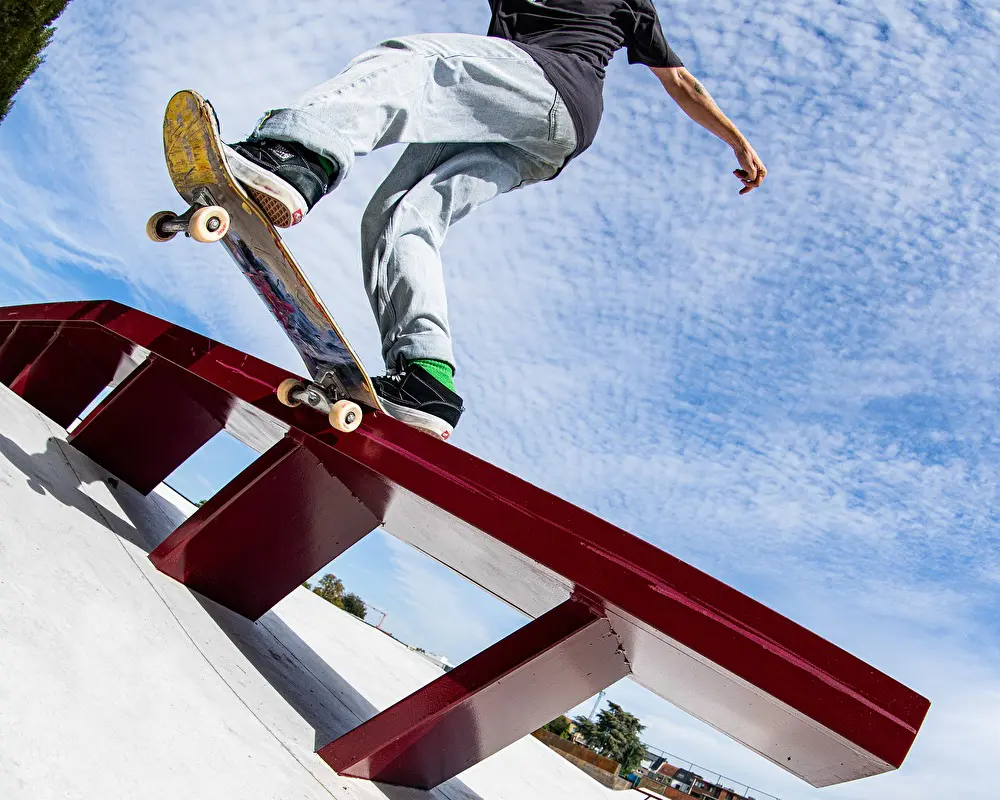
x,y
344,415
203,221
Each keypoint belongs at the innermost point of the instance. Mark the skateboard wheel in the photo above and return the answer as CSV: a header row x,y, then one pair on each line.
x,y
153,226
345,416
286,389
209,224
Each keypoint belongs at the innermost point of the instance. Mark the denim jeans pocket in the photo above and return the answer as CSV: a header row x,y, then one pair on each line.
x,y
562,131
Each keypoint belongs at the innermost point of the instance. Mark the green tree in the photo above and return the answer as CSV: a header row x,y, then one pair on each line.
x,y
331,589
25,31
631,756
353,604
615,735
559,726
587,731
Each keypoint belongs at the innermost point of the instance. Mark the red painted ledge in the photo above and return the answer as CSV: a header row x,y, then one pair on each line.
x,y
780,689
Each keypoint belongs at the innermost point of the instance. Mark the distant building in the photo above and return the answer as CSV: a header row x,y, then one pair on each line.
x,y
440,661
664,773
683,780
680,779
703,790
660,771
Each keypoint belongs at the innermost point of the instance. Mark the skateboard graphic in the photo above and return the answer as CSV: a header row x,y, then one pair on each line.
x,y
221,211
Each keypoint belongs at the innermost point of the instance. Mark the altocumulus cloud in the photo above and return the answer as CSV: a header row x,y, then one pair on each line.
x,y
794,390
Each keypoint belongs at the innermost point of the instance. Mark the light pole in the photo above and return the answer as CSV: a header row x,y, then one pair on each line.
x,y
600,697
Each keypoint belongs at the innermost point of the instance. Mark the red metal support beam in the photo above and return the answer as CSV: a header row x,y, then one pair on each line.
x,y
6,329
487,703
73,368
752,673
152,423
21,346
280,521
285,517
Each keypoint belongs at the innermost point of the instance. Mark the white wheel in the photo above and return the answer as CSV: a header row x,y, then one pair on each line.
x,y
209,224
286,389
345,416
153,226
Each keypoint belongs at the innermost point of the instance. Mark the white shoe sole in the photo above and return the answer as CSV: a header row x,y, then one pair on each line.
x,y
279,200
425,422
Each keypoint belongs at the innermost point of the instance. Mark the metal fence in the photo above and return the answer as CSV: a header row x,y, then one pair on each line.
x,y
709,776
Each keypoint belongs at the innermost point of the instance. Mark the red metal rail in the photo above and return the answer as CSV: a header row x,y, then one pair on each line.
x,y
605,603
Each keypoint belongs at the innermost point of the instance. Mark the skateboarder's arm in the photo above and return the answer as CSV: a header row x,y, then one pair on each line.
x,y
686,90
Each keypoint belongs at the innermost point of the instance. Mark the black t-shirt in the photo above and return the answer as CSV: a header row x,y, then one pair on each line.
x,y
574,41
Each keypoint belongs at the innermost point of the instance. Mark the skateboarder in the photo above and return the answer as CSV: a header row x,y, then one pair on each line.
x,y
483,115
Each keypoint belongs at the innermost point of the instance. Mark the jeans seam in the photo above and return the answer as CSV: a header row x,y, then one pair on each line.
x,y
486,58
426,57
363,80
383,276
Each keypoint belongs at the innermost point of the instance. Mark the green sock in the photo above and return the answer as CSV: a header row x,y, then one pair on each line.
x,y
328,165
440,370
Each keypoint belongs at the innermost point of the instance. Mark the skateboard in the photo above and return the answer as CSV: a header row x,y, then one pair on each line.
x,y
220,210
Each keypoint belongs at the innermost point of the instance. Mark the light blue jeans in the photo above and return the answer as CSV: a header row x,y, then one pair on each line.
x,y
481,119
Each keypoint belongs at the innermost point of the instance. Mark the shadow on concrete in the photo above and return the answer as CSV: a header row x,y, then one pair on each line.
x,y
52,473
317,692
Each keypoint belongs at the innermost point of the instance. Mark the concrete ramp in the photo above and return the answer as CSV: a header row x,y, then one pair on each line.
x,y
119,682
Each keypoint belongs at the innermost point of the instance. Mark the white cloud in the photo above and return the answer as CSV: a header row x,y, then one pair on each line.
x,y
794,390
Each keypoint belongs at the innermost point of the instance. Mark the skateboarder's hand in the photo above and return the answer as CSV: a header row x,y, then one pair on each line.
x,y
753,170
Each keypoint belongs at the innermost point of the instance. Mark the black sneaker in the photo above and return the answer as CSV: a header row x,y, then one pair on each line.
x,y
284,178
419,399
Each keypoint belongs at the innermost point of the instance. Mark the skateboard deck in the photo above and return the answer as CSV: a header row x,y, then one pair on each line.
x,y
198,169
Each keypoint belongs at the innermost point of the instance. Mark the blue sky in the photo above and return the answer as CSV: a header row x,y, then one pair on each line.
x,y
795,390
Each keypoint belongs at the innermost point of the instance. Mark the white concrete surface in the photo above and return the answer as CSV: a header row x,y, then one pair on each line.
x,y
117,682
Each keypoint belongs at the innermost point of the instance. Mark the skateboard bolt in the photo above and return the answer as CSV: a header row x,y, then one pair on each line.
x,y
313,398
213,224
